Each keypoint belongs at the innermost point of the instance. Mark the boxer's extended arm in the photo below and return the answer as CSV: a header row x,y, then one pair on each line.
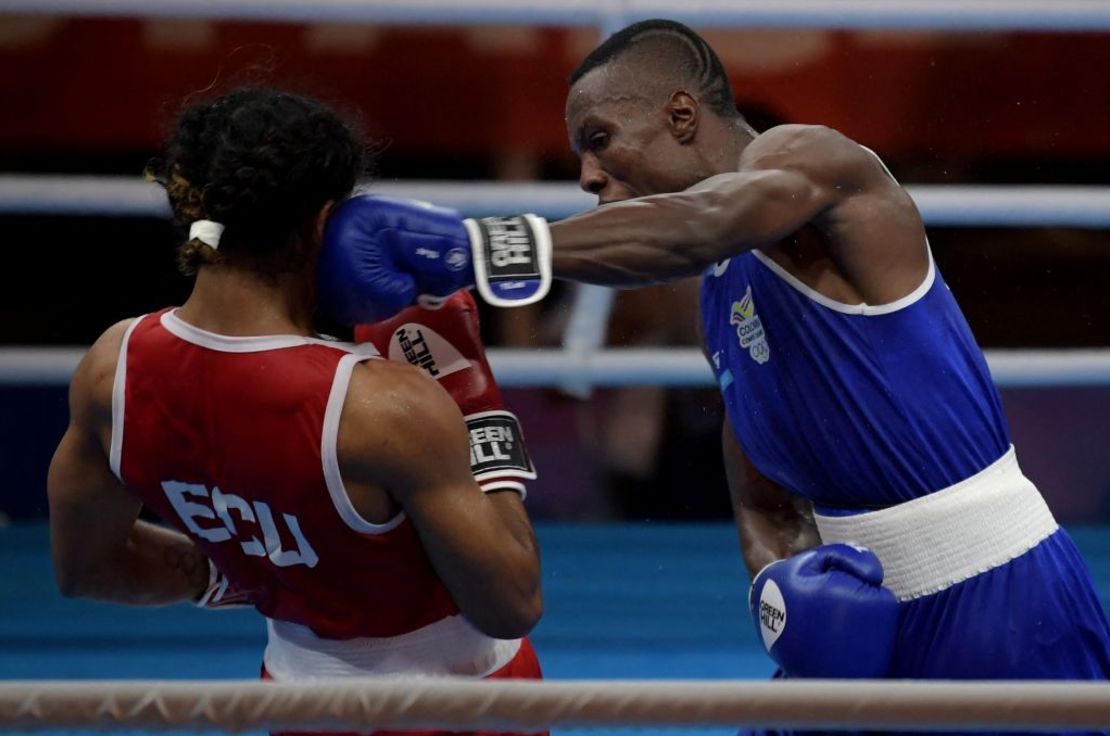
x,y
668,236
772,524
400,430
100,549
787,178
380,254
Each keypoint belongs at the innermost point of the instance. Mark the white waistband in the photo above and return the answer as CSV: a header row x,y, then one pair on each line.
x,y
450,646
931,543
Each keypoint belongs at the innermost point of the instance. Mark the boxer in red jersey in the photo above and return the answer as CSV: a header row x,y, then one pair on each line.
x,y
329,489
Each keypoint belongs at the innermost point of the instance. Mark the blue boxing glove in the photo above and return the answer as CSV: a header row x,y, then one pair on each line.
x,y
381,254
825,613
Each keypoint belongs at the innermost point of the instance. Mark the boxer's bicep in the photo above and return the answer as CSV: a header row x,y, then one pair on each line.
x,y
91,512
99,546
664,237
757,208
410,439
787,178
771,523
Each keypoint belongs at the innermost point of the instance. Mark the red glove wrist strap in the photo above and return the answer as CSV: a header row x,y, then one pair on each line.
x,y
497,451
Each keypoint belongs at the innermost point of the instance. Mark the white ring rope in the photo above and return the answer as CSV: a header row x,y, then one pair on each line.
x,y
1060,15
1002,206
354,704
625,367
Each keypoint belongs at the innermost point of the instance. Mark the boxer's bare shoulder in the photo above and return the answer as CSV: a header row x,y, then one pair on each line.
x,y
90,392
824,154
867,222
391,411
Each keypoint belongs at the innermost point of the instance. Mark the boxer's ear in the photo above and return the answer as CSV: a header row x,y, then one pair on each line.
x,y
682,116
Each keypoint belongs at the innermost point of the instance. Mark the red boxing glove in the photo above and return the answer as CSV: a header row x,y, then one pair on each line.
x,y
447,344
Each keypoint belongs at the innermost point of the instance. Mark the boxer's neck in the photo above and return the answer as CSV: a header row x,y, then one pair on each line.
x,y
239,303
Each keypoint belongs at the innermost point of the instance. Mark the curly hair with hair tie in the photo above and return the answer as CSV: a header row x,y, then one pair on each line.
x,y
262,163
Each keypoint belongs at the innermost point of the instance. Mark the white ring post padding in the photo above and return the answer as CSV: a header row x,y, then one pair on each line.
x,y
625,367
357,704
1000,206
1058,15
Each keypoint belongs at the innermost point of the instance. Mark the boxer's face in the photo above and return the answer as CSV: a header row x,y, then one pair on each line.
x,y
626,140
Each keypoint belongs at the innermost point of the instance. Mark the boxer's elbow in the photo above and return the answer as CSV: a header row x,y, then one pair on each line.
x,y
515,621
71,577
75,581
530,610
83,572
69,585
511,612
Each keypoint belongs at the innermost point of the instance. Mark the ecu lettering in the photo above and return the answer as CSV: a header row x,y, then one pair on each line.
x,y
210,515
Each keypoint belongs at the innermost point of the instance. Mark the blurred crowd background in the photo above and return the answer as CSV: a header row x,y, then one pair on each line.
x,y
95,96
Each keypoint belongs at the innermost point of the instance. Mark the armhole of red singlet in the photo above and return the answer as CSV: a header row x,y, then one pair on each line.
x,y
119,391
329,454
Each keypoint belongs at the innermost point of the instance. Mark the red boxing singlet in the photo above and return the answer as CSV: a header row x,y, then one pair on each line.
x,y
233,441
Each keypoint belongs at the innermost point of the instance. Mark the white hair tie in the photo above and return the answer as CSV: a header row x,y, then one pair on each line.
x,y
207,232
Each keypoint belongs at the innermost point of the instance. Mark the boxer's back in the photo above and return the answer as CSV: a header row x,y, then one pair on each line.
x,y
233,440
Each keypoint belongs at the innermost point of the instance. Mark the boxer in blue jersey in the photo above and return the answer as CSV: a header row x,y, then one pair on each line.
x,y
875,486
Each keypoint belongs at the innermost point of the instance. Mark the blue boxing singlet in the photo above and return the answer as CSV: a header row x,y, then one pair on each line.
x,y
886,417
850,405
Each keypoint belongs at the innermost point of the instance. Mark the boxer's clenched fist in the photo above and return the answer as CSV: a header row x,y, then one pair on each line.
x,y
380,254
825,613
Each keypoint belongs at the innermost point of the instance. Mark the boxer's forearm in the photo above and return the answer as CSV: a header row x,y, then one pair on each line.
x,y
771,523
634,243
770,535
670,236
155,566
99,546
510,508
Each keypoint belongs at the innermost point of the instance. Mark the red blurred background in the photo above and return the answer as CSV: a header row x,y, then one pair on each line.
x,y
95,96
933,99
